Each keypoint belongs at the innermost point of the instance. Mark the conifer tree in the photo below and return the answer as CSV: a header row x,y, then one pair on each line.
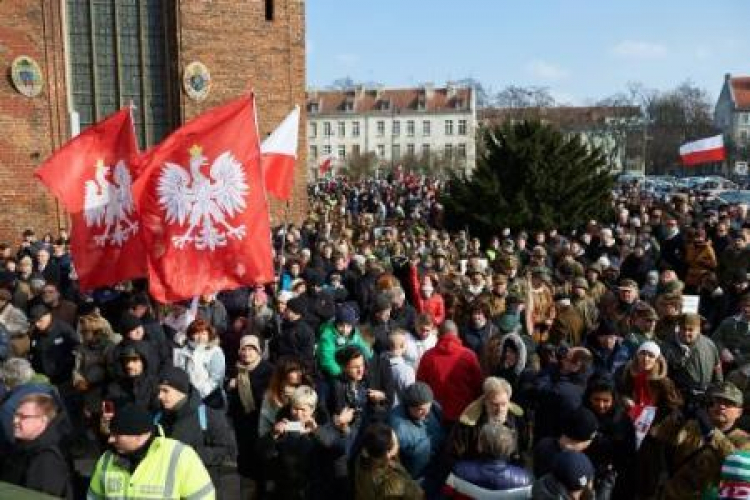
x,y
530,176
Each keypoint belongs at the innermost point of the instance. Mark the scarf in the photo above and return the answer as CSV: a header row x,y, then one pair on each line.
x,y
641,391
245,386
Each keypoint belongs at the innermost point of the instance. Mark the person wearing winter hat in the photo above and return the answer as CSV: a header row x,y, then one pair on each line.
x,y
417,424
186,418
381,325
700,443
135,462
249,379
578,431
735,477
336,334
692,358
296,338
571,475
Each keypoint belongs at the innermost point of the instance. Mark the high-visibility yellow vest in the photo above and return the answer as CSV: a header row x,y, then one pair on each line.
x,y
170,470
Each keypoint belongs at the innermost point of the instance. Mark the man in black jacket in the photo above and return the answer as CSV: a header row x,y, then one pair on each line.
x,y
36,460
297,338
184,417
53,343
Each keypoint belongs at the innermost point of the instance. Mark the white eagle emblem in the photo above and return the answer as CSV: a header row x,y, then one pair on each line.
x,y
202,202
110,204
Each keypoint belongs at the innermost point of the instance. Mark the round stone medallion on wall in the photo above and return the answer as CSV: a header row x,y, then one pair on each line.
x,y
196,79
26,76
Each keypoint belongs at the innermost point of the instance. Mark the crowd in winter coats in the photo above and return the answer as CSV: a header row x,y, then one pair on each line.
x,y
393,358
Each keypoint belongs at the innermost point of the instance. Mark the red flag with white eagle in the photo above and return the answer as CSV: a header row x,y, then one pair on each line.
x,y
92,176
203,207
279,152
708,150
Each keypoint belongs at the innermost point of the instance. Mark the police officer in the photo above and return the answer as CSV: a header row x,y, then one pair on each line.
x,y
142,464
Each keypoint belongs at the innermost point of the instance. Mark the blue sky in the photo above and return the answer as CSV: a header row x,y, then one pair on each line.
x,y
581,49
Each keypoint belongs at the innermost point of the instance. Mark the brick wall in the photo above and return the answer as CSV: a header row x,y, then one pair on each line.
x,y
243,51
31,127
231,37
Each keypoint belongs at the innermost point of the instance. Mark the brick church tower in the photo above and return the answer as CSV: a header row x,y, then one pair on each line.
x,y
70,63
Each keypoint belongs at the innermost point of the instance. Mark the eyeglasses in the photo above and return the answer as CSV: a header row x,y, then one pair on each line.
x,y
22,416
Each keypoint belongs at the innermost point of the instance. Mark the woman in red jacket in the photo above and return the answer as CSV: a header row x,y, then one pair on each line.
x,y
426,298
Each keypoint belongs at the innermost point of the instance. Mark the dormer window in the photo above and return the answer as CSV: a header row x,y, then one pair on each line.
x,y
313,107
385,105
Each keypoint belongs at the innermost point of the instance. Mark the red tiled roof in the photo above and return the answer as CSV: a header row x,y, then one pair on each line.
x,y
741,91
373,100
562,116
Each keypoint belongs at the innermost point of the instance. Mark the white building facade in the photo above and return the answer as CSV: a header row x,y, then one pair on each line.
x,y
732,117
393,124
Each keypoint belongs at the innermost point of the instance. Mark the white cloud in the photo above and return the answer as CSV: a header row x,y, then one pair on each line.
x,y
639,49
546,70
347,59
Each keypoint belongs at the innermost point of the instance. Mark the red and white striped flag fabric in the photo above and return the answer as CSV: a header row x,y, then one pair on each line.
x,y
279,154
325,166
706,150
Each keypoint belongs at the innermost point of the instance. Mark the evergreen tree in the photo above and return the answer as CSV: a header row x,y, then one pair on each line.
x,y
530,176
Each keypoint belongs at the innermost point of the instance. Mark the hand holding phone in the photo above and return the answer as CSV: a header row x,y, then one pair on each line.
x,y
294,427
108,409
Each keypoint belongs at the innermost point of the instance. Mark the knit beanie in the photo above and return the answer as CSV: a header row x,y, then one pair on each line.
x,y
176,378
346,314
417,394
131,420
573,470
581,425
129,322
735,476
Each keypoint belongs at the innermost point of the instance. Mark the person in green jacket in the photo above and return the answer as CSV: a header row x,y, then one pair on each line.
x,y
336,334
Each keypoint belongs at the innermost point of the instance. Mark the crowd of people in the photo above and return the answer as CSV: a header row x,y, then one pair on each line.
x,y
392,358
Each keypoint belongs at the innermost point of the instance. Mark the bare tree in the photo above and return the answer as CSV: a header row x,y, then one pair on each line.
x,y
514,96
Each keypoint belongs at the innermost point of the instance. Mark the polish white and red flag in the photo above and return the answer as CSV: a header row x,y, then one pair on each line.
x,y
325,165
710,149
279,154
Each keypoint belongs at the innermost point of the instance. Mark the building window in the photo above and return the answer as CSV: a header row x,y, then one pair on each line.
x,y
462,151
313,129
425,150
449,151
410,149
743,136
327,150
381,128
269,10
342,129
381,151
461,127
312,107
355,150
396,127
355,129
426,128
410,128
342,152
313,152
396,152
327,131
118,54
448,127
